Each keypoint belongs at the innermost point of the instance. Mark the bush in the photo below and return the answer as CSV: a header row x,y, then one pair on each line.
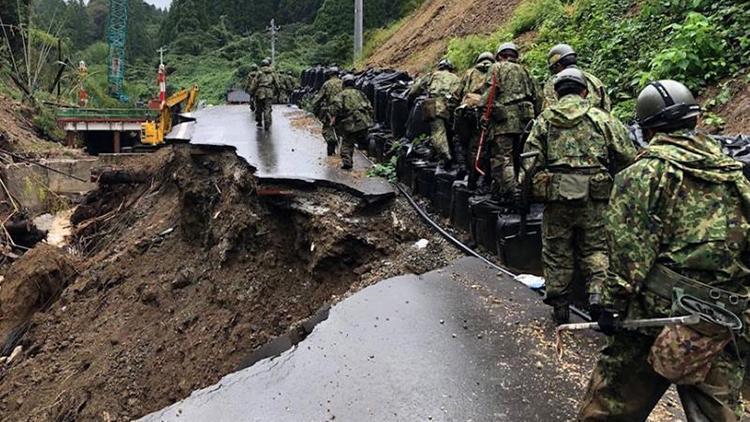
x,y
628,43
694,55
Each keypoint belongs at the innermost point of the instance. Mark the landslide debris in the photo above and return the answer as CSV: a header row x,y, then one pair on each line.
x,y
31,284
187,272
420,42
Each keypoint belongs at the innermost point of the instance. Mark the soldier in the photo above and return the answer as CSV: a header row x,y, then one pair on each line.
x,y
677,224
440,85
561,57
352,117
322,106
248,82
290,84
516,104
466,124
263,88
578,150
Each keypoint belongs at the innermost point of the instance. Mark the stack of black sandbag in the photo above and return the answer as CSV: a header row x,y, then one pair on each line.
x,y
737,147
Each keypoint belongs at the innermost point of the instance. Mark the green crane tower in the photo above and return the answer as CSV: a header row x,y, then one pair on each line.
x,y
117,33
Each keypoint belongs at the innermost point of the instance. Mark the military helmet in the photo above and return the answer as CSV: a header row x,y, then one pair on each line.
x,y
485,57
559,52
253,67
333,70
570,75
665,102
507,47
265,62
445,64
349,79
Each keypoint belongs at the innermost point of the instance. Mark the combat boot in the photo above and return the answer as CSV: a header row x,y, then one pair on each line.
x,y
561,314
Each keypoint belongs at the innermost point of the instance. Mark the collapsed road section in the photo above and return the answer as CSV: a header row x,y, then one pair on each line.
x,y
184,269
290,152
460,343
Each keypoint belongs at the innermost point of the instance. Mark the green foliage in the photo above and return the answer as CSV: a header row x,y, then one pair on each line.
x,y
628,43
386,170
45,122
694,53
377,37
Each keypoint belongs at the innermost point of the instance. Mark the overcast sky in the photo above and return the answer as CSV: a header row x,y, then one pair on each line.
x,y
160,3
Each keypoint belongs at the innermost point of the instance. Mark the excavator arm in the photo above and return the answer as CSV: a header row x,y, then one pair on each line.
x,y
183,101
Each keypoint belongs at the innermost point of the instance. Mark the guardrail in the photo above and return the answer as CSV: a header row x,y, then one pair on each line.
x,y
108,114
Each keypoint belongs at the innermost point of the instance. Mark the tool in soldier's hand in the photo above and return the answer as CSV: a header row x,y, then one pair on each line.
x,y
633,324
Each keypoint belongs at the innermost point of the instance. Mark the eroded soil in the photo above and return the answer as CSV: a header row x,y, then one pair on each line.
x,y
183,276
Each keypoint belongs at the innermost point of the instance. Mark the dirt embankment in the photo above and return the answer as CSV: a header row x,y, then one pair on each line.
x,y
18,132
736,110
423,39
183,276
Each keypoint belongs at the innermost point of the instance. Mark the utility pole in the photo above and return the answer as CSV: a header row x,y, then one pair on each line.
x,y
273,29
358,28
161,52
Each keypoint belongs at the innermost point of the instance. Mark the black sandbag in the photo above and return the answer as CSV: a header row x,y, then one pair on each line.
x,y
381,103
484,215
399,113
520,245
416,126
737,147
320,79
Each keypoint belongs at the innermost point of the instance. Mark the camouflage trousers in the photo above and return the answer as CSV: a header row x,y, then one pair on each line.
x,y
624,387
573,234
501,163
439,132
348,143
329,134
263,112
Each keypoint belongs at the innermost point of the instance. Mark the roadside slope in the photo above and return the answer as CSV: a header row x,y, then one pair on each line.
x,y
425,35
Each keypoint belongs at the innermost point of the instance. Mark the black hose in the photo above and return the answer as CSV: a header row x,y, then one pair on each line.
x,y
449,237
467,250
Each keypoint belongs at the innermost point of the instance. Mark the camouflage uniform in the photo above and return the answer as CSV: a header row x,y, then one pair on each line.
x,y
580,149
354,117
466,124
685,206
287,83
321,107
440,86
248,83
516,104
263,88
598,96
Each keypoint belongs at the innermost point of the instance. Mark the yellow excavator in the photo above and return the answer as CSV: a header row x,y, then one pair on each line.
x,y
183,101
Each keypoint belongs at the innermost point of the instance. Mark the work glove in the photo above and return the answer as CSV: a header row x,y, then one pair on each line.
x,y
595,306
609,322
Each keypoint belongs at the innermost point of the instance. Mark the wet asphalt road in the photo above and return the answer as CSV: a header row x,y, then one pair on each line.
x,y
411,348
288,152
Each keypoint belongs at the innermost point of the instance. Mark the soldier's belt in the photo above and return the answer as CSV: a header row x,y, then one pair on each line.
x,y
662,282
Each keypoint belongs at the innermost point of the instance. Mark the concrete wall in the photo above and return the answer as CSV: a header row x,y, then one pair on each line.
x,y
38,189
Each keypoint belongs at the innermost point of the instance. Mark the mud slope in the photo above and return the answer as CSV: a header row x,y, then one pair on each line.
x,y
17,132
184,276
425,35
